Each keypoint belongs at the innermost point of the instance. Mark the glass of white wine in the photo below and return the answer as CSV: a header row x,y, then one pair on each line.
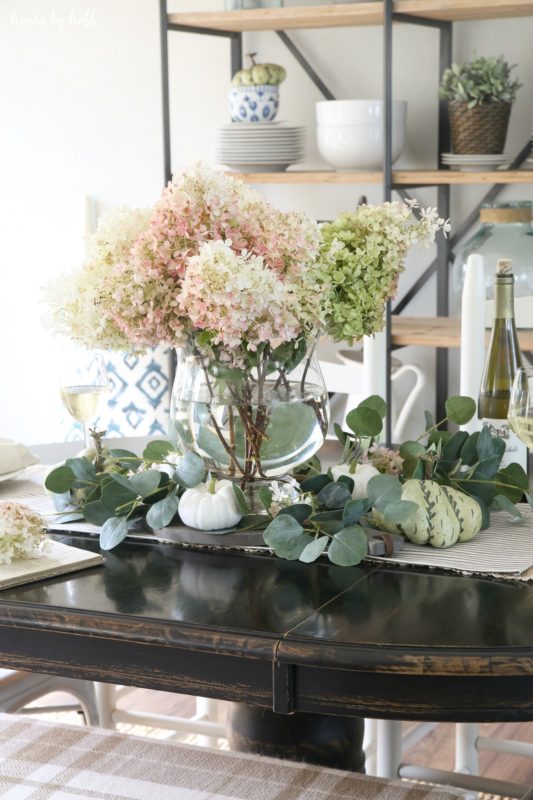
x,y
84,386
521,406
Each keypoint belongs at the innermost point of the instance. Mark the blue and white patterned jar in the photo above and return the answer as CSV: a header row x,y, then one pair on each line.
x,y
253,103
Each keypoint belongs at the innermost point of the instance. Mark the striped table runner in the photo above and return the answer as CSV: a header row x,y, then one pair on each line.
x,y
505,549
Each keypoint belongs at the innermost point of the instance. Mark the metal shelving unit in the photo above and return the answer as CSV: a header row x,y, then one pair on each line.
x,y
436,14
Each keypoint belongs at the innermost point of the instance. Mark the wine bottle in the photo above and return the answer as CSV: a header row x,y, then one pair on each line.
x,y
503,359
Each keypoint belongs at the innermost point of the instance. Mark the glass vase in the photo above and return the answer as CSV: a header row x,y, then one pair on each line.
x,y
505,232
250,423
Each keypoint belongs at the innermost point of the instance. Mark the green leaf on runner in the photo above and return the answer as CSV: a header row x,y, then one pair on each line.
x,y
334,495
377,403
504,504
265,497
383,489
354,510
190,471
348,547
399,511
60,480
364,421
83,469
460,409
339,433
113,532
240,499
300,511
348,482
158,451
145,483
163,512
97,513
286,537
315,484
314,549
485,444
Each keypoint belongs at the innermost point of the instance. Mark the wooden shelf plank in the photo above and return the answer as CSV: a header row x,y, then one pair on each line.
x,y
314,176
440,332
349,14
453,177
399,177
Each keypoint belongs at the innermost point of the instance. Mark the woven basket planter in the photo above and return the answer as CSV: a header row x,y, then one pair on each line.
x,y
482,129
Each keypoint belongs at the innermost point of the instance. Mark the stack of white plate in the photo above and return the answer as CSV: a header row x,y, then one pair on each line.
x,y
476,163
265,147
529,161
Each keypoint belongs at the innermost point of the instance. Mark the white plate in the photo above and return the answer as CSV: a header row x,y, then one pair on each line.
x,y
261,152
257,167
7,476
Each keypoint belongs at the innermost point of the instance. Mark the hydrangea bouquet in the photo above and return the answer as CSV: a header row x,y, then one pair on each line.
x,y
242,290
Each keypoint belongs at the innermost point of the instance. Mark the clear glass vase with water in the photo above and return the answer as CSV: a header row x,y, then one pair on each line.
x,y
250,423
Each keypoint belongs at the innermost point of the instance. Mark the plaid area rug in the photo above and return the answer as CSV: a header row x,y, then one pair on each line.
x,y
75,718
41,761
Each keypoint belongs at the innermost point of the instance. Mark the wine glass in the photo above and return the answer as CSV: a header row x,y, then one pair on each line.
x,y
521,406
83,385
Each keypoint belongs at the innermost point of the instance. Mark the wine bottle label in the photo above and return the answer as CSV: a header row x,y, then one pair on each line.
x,y
515,450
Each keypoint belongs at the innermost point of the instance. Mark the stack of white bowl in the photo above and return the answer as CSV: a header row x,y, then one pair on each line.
x,y
350,132
265,147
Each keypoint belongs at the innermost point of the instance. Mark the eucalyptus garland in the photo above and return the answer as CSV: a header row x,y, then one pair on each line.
x,y
316,512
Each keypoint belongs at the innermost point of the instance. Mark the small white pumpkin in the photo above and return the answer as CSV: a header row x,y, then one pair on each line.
x,y
210,506
361,476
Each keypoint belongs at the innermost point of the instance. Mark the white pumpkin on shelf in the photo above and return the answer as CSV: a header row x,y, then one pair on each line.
x,y
210,506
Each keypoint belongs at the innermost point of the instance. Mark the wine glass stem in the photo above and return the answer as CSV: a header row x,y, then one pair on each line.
x,y
86,435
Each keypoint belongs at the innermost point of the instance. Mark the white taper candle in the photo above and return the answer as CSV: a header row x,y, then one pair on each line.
x,y
472,333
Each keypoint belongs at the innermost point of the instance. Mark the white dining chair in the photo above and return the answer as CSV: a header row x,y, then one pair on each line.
x,y
343,371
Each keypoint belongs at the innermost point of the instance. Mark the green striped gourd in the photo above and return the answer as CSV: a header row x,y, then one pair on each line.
x,y
444,516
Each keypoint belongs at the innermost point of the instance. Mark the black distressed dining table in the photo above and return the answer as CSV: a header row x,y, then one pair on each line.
x,y
367,641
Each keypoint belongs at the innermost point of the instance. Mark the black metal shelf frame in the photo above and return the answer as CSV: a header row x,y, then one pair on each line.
x,y
440,265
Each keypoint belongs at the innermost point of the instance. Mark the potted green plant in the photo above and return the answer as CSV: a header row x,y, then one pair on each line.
x,y
480,94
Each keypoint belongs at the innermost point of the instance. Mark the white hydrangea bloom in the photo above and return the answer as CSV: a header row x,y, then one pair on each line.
x,y
21,532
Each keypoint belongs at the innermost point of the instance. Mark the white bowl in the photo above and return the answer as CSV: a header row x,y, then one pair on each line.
x,y
357,146
357,112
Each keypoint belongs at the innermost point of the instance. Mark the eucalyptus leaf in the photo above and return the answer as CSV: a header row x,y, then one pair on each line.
x,y
322,516
265,497
190,471
339,433
411,450
364,421
332,526
145,483
253,522
354,510
430,420
468,452
116,493
97,513
62,501
286,537
240,498
316,483
83,469
377,403
300,511
348,547
314,549
334,495
125,458
452,448
71,516
485,444
504,504
348,482
60,480
399,511
383,489
460,409
162,513
113,532
158,451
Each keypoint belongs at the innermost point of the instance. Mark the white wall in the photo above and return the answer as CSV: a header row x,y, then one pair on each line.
x,y
80,88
